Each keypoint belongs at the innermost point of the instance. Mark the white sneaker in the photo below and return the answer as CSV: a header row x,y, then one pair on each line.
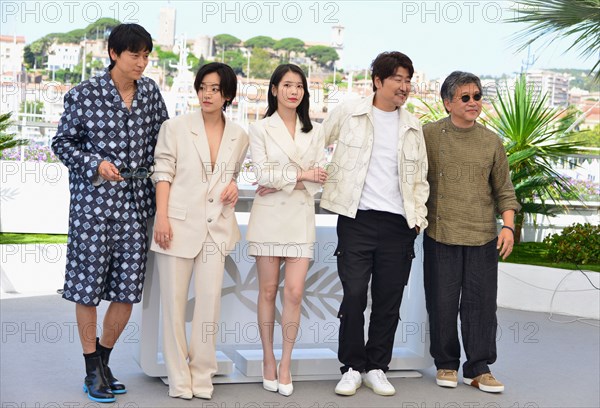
x,y
378,382
350,382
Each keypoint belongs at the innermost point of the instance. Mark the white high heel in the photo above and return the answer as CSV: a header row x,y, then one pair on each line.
x,y
285,389
269,385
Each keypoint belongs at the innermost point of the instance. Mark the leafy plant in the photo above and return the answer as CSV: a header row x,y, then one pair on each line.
x,y
578,243
289,45
576,20
434,111
7,140
226,41
322,55
532,134
260,41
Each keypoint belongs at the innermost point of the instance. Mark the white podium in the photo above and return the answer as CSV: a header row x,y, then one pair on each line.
x,y
315,354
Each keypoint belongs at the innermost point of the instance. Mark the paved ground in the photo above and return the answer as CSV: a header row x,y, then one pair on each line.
x,y
542,363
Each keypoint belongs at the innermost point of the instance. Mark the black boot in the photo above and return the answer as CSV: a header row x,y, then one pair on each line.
x,y
104,352
95,384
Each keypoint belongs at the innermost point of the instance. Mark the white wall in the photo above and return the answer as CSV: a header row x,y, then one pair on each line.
x,y
34,197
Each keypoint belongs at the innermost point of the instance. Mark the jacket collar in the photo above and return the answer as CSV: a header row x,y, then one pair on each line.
x,y
365,107
293,148
105,81
199,138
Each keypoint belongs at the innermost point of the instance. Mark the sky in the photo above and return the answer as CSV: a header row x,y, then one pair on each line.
x,y
439,36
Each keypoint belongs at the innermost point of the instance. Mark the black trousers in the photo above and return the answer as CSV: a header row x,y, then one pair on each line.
x,y
462,278
376,246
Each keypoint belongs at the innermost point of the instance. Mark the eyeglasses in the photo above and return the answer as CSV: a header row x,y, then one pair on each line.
x,y
138,172
467,98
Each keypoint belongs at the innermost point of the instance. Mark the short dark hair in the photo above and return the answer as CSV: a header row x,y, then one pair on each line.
x,y
302,109
386,64
227,80
457,79
128,37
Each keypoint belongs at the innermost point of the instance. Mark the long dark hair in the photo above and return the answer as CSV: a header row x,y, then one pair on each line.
x,y
302,109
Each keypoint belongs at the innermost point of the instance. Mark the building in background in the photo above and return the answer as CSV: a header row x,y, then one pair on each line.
x,y
63,56
555,84
11,53
202,46
166,27
337,42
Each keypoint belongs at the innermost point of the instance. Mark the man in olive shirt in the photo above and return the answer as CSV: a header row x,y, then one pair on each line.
x,y
469,182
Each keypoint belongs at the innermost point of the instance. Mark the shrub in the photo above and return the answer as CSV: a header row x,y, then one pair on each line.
x,y
578,243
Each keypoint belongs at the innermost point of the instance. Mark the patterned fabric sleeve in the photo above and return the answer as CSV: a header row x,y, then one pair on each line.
x,y
70,138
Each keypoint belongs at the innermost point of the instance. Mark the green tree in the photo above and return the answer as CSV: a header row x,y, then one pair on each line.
x,y
261,63
193,61
7,140
36,53
338,78
73,36
165,58
226,41
88,67
260,41
200,61
98,28
28,57
289,45
32,107
39,49
65,75
322,55
433,111
533,138
236,60
587,138
576,20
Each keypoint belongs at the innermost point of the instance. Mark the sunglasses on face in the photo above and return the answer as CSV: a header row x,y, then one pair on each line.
x,y
138,172
467,98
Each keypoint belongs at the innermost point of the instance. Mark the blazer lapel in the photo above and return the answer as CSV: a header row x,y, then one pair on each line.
x,y
303,142
224,155
280,135
196,124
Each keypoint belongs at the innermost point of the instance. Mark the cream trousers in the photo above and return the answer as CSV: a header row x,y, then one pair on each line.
x,y
190,368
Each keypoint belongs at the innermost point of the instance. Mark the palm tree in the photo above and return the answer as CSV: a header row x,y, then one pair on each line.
x,y
7,140
579,20
531,132
434,111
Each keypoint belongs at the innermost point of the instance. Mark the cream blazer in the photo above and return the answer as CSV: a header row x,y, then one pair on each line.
x,y
288,215
182,158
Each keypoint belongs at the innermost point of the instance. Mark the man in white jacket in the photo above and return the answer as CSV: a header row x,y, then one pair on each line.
x,y
378,186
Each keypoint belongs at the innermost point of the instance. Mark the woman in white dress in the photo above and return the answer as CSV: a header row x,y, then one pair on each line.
x,y
287,154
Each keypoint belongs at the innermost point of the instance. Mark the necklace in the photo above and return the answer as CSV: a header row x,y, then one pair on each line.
x,y
128,97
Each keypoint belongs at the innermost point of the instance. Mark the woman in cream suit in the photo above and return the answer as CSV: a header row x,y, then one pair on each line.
x,y
287,152
198,157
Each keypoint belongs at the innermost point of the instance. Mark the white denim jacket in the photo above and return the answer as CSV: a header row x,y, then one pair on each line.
x,y
351,126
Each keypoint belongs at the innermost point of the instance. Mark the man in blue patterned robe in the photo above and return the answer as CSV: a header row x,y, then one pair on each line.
x,y
106,138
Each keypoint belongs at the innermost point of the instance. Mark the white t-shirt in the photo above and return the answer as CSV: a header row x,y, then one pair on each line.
x,y
381,191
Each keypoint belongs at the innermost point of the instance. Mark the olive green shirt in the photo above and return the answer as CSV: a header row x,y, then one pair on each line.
x,y
469,183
